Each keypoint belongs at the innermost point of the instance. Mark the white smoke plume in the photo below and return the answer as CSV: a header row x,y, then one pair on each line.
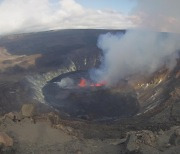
x,y
134,52
159,15
66,83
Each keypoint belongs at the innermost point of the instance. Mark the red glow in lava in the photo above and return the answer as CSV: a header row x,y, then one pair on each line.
x,y
102,83
83,83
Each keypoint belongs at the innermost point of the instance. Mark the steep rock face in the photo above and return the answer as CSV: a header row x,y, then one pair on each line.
x,y
37,81
158,94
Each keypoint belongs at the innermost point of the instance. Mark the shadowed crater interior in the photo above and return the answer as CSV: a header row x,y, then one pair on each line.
x,y
76,95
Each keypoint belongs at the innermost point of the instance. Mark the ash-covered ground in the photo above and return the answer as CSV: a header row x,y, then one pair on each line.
x,y
139,115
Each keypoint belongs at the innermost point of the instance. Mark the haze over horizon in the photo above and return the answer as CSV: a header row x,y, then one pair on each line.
x,y
32,16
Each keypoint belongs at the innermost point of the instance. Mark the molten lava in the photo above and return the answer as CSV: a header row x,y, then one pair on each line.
x,y
84,83
102,83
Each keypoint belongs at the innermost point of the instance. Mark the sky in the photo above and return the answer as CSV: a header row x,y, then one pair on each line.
x,y
17,16
123,6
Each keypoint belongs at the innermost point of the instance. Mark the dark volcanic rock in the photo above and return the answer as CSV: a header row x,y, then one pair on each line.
x,y
95,103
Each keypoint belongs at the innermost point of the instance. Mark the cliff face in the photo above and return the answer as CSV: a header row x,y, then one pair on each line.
x,y
37,81
74,63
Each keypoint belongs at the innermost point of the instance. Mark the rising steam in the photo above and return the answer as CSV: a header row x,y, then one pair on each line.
x,y
66,83
135,52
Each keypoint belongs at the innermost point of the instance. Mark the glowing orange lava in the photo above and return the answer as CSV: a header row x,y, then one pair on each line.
x,y
102,83
83,83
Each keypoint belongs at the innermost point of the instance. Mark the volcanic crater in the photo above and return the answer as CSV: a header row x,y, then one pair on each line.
x,y
78,96
141,95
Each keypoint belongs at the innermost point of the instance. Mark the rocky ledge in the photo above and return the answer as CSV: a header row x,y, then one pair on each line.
x,y
26,132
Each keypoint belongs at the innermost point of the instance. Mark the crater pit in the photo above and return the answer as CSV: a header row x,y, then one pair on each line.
x,y
76,95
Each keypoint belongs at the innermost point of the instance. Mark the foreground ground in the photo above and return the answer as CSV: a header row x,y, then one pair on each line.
x,y
49,134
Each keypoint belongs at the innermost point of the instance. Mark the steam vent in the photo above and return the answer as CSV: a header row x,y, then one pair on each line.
x,y
75,94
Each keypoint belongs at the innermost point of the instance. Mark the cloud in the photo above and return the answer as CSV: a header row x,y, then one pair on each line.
x,y
38,15
158,15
